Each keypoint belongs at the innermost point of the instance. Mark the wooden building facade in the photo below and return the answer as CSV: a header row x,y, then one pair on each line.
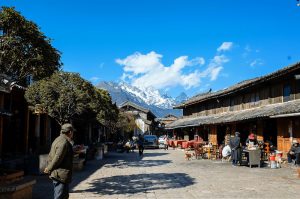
x,y
27,132
268,106
144,118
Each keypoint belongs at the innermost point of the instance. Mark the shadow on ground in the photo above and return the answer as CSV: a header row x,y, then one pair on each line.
x,y
125,160
113,159
121,164
131,184
155,154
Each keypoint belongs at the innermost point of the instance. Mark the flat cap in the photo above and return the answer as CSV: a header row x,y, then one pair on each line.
x,y
66,128
295,141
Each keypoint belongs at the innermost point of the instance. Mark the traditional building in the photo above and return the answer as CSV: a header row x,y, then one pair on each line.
x,y
268,106
144,118
163,121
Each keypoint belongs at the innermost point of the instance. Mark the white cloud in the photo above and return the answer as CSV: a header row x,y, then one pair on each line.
x,y
101,65
139,63
94,79
256,62
225,46
215,66
147,70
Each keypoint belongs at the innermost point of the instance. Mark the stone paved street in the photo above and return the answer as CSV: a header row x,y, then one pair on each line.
x,y
166,174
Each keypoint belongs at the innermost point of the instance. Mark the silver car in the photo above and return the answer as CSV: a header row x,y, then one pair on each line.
x,y
150,141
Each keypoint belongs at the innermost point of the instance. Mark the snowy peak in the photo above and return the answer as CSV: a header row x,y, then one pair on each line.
x,y
150,98
149,95
181,98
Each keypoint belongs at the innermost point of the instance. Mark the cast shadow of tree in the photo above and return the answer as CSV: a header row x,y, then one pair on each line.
x,y
138,183
153,154
142,163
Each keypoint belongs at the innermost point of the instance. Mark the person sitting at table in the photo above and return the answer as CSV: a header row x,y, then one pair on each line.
x,y
226,152
271,145
294,153
235,145
251,141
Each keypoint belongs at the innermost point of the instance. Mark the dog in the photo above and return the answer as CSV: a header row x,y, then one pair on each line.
x,y
187,156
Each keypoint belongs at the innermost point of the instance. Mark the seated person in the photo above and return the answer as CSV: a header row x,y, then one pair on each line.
x,y
294,153
251,141
226,151
271,145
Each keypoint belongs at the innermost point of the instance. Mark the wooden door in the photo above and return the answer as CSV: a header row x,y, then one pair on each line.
x,y
283,138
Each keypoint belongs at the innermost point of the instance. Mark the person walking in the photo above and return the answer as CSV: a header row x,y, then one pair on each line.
x,y
60,162
235,145
166,144
140,144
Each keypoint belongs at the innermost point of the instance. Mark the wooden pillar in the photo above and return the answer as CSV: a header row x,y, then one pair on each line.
x,y
212,137
1,135
1,124
259,130
48,131
90,133
26,137
37,132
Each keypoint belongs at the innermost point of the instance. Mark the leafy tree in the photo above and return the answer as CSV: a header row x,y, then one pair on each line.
x,y
24,49
126,121
63,96
109,112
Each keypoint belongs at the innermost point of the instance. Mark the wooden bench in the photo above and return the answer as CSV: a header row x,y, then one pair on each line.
x,y
21,189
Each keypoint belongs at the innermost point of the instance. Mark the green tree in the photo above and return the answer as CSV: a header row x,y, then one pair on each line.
x,y
24,49
126,121
109,112
63,96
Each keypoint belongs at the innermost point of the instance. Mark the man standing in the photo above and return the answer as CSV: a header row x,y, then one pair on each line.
x,y
60,162
140,144
235,145
294,153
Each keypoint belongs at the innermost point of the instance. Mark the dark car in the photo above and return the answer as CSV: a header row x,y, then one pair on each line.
x,y
150,141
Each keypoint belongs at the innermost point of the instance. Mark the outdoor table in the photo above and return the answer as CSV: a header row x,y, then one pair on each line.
x,y
253,157
178,142
197,144
190,143
171,143
184,145
187,144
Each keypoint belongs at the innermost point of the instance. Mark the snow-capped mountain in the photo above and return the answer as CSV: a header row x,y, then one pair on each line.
x,y
150,98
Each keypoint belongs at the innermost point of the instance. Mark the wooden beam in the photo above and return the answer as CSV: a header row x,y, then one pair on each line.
x,y
1,123
27,131
1,135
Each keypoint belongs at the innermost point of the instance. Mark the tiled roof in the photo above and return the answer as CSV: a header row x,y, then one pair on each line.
x,y
234,116
239,86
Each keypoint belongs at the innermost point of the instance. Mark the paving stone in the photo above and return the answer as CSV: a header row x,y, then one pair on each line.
x,y
166,174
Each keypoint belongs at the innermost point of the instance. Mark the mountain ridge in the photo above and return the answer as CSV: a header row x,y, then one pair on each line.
x,y
149,98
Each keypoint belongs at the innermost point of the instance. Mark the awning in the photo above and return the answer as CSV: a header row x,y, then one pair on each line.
x,y
286,109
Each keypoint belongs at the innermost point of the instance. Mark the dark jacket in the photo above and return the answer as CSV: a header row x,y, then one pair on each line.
x,y
235,143
60,160
295,149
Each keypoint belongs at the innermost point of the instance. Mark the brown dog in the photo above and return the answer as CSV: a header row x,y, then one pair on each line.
x,y
187,156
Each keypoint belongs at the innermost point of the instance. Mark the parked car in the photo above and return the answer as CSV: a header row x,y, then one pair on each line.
x,y
150,141
161,141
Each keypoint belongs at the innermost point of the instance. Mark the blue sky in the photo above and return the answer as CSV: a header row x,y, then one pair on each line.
x,y
172,45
